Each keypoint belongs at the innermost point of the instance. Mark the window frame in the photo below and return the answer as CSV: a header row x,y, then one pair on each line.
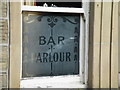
x,y
81,12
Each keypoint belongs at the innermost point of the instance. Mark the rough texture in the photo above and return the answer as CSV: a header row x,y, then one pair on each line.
x,y
3,53
67,81
3,31
3,81
3,8
4,47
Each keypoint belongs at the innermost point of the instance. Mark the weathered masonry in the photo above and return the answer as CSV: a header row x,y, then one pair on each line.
x,y
78,43
4,43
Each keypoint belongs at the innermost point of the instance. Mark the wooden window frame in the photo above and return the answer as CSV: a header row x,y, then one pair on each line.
x,y
15,83
64,10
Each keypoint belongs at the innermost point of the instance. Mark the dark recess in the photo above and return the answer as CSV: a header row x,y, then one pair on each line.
x,y
61,4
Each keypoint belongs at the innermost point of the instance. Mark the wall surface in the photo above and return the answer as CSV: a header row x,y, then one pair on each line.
x,y
15,44
119,34
103,47
4,43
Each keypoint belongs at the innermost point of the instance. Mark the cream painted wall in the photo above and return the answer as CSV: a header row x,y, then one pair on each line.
x,y
15,44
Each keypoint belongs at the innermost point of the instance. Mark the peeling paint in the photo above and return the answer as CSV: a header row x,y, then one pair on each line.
x,y
67,81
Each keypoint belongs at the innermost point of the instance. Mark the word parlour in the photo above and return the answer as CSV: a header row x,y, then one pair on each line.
x,y
54,57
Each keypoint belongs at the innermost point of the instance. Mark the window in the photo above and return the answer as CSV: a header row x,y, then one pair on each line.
x,y
51,44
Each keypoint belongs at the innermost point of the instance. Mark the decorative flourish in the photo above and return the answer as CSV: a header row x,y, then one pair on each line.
x,y
76,30
51,24
66,19
52,21
77,20
76,41
39,18
51,74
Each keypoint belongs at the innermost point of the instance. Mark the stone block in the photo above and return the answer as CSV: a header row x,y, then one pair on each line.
x,y
3,80
3,31
3,8
4,53
3,66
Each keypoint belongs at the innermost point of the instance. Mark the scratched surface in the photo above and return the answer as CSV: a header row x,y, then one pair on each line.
x,y
50,44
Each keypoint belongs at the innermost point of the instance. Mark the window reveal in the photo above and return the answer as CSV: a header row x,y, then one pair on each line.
x,y
50,44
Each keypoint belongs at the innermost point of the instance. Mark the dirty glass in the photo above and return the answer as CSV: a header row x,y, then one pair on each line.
x,y
50,44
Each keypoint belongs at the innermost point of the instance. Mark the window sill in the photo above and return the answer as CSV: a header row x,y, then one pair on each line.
x,y
67,81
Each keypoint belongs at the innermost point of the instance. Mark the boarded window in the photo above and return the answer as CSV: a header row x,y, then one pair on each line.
x,y
50,44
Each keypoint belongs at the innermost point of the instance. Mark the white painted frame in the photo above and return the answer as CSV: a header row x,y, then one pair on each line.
x,y
82,55
52,9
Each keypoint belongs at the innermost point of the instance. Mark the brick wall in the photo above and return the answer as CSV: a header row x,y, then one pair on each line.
x,y
4,43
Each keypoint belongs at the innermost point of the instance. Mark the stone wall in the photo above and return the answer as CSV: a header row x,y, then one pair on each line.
x,y
119,35
4,43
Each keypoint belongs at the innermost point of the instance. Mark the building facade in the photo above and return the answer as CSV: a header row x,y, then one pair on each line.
x,y
98,42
